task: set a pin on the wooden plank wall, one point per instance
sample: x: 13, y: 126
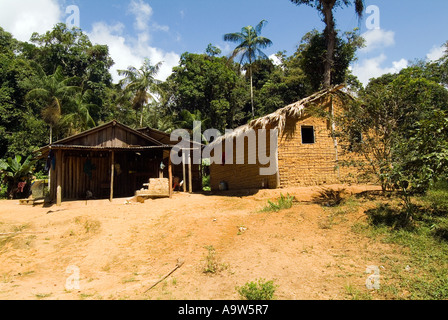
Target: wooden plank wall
x: 76, y: 182
x: 110, y: 137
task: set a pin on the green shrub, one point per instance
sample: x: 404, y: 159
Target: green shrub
x: 330, y: 197
x: 257, y: 290
x: 282, y: 203
x: 3, y: 191
x: 437, y: 198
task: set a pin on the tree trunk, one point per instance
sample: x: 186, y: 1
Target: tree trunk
x: 251, y: 91
x: 330, y: 37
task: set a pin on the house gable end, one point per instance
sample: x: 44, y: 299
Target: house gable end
x: 110, y: 135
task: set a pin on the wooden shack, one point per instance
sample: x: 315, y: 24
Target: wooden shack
x: 188, y: 172
x: 111, y: 160
x: 308, y: 152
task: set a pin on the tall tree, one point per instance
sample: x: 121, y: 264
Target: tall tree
x: 249, y: 48
x: 51, y: 92
x: 142, y: 84
x: 78, y: 117
x: 325, y: 8
x: 311, y: 57
x: 209, y: 84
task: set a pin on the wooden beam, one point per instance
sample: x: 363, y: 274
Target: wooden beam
x: 59, y: 178
x: 170, y: 176
x: 184, y: 171
x: 112, y: 166
x: 190, y: 178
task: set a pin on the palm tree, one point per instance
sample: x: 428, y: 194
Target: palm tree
x: 52, y: 91
x: 325, y: 8
x: 194, y: 123
x: 249, y: 48
x: 79, y: 117
x: 141, y: 83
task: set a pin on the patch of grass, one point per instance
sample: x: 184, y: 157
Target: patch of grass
x: 436, y: 199
x: 257, y: 290
x: 212, y: 264
x: 84, y: 296
x: 90, y: 226
x: 42, y: 295
x: 421, y: 272
x: 357, y: 294
x: 336, y: 214
x: 284, y: 202
x: 131, y: 279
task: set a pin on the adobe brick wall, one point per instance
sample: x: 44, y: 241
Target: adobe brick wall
x: 242, y: 176
x: 306, y: 164
x: 298, y: 164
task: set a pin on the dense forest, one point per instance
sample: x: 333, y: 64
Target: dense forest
x: 59, y: 84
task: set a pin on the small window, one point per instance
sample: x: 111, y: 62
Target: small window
x: 308, y: 135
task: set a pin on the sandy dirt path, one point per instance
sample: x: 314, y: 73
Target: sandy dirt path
x: 121, y: 249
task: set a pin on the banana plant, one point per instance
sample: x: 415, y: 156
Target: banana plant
x: 14, y: 171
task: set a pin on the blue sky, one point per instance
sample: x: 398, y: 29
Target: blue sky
x: 163, y: 29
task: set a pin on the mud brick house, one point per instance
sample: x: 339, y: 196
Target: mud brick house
x: 109, y: 161
x: 308, y: 152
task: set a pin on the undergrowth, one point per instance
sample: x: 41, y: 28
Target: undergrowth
x: 421, y: 272
x: 257, y: 290
x: 284, y: 202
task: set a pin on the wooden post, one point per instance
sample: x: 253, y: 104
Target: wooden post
x: 335, y: 139
x: 170, y: 176
x: 63, y: 170
x: 112, y: 176
x: 59, y: 178
x: 190, y: 178
x: 184, y: 171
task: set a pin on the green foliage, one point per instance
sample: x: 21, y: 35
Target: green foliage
x: 312, y: 53
x: 284, y: 202
x: 13, y: 171
x: 258, y: 290
x: 140, y: 85
x: 212, y: 265
x: 399, y: 125
x: 437, y: 198
x: 209, y: 85
x: 326, y: 10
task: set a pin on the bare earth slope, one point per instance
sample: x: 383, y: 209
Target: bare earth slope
x: 121, y: 249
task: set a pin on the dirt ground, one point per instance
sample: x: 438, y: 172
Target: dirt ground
x: 121, y: 249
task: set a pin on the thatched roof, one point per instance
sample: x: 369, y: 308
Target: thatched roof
x: 278, y: 118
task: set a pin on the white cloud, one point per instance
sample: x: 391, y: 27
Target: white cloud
x: 373, y: 68
x: 22, y: 18
x: 378, y: 38
x: 131, y: 51
x: 275, y: 60
x: 142, y: 12
x: 436, y: 53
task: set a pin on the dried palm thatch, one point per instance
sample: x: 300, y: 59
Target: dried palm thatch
x: 278, y: 118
